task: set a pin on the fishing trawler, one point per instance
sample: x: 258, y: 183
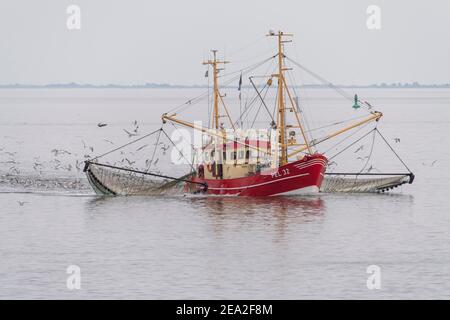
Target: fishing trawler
x: 233, y: 160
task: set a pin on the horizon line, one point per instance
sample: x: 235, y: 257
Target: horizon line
x: 75, y: 85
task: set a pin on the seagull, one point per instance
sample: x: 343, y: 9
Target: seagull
x: 78, y: 165
x: 130, y: 162
x: 101, y: 124
x: 21, y: 203
x: 87, y: 147
x: 37, y: 166
x: 9, y: 162
x: 431, y: 165
x: 130, y: 134
x: 156, y: 161
x: 11, y: 153
x: 397, y: 140
x: 140, y: 148
x: 56, y: 152
x: 108, y: 141
x: 14, y: 170
x: 359, y: 149
x: 368, y: 105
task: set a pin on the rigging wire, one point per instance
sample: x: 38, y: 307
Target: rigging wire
x: 250, y: 105
x: 335, y: 123
x: 328, y: 83
x: 374, y: 131
x: 180, y: 108
x: 154, y: 150
x: 181, y: 153
x: 301, y: 111
x: 345, y: 139
x: 127, y: 144
x: 398, y: 157
x: 371, y: 150
x: 259, y: 108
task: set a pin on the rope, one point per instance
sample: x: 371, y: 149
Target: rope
x: 154, y: 150
x: 335, y: 124
x: 259, y: 108
x: 194, y: 100
x: 371, y: 150
x: 353, y: 143
x: 250, y: 105
x: 181, y: 153
x: 125, y: 145
x: 328, y: 83
x: 392, y: 149
x: 151, y: 161
x: 262, y: 100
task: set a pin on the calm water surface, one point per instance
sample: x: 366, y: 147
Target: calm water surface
x: 214, y: 247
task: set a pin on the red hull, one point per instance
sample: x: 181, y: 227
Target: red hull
x: 302, y: 176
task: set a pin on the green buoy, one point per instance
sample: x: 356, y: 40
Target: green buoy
x: 356, y: 104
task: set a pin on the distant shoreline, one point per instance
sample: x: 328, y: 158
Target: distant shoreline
x: 414, y: 85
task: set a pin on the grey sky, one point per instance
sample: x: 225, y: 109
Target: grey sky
x: 138, y: 41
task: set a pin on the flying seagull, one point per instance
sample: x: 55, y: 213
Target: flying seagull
x: 56, y: 152
x: 359, y: 149
x: 140, y: 148
x: 130, y: 134
x: 108, y: 141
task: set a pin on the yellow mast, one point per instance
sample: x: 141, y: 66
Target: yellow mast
x: 281, y: 115
x: 214, y: 63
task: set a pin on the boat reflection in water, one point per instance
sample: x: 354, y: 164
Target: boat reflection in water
x: 217, y: 211
x: 269, y: 213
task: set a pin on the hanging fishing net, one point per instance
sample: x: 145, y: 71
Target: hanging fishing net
x: 149, y: 165
x: 376, y: 171
x: 358, y: 183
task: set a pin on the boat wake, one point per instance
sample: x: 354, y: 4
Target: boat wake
x: 41, y: 184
